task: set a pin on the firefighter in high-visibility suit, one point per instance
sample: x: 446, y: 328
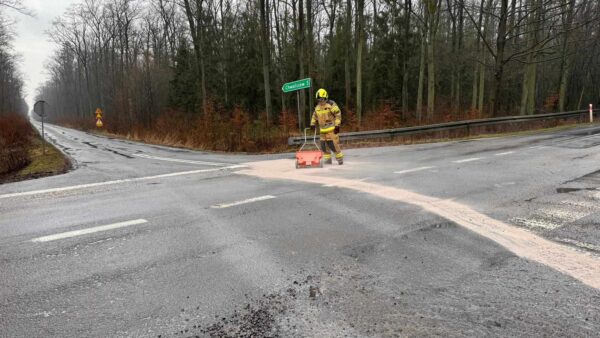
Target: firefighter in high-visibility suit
x: 329, y: 117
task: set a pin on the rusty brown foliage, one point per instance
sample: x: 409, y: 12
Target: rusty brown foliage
x: 551, y: 103
x: 15, y: 140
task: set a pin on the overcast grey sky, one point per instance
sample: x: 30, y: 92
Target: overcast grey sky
x: 32, y: 42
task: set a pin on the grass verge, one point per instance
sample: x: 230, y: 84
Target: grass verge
x: 52, y: 163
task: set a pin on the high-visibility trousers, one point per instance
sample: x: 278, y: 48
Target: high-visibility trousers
x: 330, y: 142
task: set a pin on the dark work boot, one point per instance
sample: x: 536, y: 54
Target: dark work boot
x: 328, y: 161
x: 340, y: 161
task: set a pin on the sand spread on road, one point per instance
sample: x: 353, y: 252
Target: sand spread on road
x: 580, y: 265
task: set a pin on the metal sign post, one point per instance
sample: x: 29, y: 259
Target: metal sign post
x: 39, y: 108
x: 296, y: 86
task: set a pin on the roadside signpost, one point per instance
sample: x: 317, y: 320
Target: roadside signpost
x: 296, y: 86
x: 40, y: 109
x: 99, y: 123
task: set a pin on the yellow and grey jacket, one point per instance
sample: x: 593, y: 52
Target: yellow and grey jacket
x: 328, y: 116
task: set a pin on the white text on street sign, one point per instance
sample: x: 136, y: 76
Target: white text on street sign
x: 296, y: 85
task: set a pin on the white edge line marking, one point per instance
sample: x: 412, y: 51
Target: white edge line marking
x: 468, y: 160
x: 75, y: 233
x: 91, y: 185
x: 412, y: 170
x: 505, y: 153
x: 179, y: 160
x: 250, y: 200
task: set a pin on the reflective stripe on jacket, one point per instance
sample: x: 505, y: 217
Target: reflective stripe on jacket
x: 328, y: 116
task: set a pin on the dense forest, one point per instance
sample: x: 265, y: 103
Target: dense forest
x: 11, y: 82
x: 220, y: 64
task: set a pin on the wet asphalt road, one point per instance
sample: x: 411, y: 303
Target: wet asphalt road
x: 212, y: 252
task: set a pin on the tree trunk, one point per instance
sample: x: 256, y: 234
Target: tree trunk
x: 433, y: 19
x: 311, y: 48
x: 454, y: 54
x: 360, y: 4
x: 477, y: 67
x: 300, y: 33
x: 499, y: 62
x: 265, y: 59
x: 460, y: 70
x: 347, y: 81
x: 281, y: 68
x: 530, y: 75
x: 421, y: 78
x: 407, y: 14
x: 565, y: 58
x: 195, y: 22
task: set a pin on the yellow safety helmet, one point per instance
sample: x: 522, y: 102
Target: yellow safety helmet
x: 322, y: 94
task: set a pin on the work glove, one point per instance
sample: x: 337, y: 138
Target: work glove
x: 336, y: 130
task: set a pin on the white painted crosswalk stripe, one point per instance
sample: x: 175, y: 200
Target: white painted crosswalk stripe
x: 87, y: 231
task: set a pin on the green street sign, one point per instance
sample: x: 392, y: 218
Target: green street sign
x: 296, y: 85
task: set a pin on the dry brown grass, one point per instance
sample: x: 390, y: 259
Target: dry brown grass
x: 21, y: 155
x: 15, y: 141
x: 237, y: 131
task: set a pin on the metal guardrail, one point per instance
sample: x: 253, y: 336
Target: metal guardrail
x: 390, y: 133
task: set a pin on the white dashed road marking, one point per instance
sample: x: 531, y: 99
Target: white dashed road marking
x: 500, y: 185
x: 250, y: 200
x: 216, y: 164
x: 468, y: 160
x: 505, y: 153
x: 88, y: 231
x: 92, y: 185
x: 412, y: 170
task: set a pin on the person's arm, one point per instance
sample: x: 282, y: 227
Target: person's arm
x: 313, y: 120
x: 337, y: 113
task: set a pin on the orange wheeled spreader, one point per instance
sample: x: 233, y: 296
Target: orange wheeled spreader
x: 309, y: 158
